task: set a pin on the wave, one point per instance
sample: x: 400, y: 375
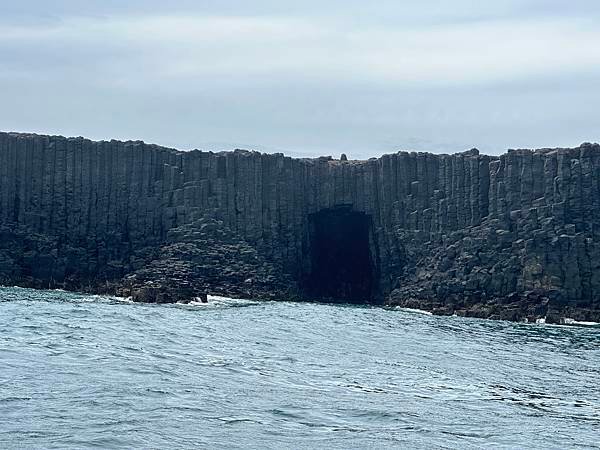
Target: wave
x: 220, y: 302
x: 413, y: 310
x: 569, y: 321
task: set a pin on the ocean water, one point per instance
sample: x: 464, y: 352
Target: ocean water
x: 82, y: 371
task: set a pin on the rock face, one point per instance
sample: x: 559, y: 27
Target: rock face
x: 510, y: 237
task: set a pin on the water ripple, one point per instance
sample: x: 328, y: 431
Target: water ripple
x: 82, y: 371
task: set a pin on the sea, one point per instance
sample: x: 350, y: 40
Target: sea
x: 81, y: 371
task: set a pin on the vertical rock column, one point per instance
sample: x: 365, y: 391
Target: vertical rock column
x: 4, y: 177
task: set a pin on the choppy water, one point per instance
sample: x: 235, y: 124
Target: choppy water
x: 80, y: 371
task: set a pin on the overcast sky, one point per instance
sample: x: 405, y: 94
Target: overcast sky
x: 305, y: 77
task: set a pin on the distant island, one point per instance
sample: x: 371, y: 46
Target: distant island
x: 503, y: 237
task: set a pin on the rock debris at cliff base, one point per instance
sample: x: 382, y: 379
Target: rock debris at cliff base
x: 510, y: 237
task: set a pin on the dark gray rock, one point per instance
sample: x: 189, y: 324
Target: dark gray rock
x: 510, y: 237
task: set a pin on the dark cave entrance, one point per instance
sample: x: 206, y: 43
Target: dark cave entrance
x: 341, y: 256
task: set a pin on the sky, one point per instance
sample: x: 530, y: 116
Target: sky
x: 305, y: 78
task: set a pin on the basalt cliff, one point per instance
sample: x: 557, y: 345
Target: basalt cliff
x: 510, y: 237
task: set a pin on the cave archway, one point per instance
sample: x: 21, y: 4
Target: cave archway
x: 342, y: 258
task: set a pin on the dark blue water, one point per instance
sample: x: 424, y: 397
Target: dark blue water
x: 79, y: 371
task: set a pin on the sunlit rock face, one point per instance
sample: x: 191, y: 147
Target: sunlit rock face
x: 513, y: 236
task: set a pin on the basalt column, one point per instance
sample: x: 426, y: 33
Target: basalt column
x: 513, y: 236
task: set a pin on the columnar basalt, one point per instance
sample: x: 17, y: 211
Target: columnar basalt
x: 512, y: 237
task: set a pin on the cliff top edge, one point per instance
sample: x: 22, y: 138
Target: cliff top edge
x: 593, y: 148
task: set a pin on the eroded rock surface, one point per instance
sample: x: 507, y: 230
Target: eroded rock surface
x: 205, y: 256
x: 513, y: 237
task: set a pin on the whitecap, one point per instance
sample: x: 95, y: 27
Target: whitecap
x: 414, y: 310
x: 569, y: 321
x: 218, y: 298
x: 104, y: 298
x: 220, y: 301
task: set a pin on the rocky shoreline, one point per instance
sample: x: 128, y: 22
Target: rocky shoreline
x: 534, y: 307
x: 531, y: 307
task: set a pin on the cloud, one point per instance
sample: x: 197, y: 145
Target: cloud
x: 312, y: 77
x: 186, y: 48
